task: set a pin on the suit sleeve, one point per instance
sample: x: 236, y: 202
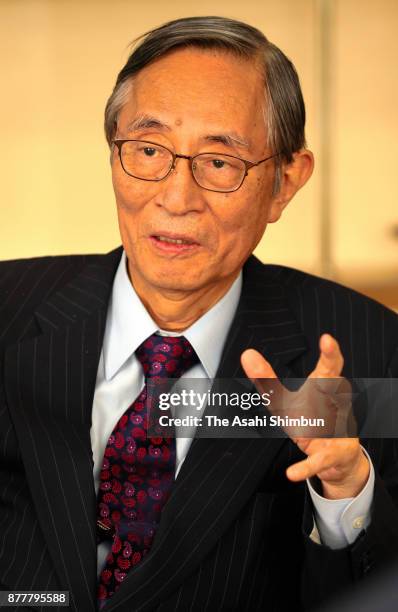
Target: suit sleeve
x: 327, y: 571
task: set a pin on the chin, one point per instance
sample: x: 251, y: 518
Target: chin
x: 175, y: 281
x: 174, y: 275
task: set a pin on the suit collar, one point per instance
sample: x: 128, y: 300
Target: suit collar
x: 263, y: 318
x: 87, y: 293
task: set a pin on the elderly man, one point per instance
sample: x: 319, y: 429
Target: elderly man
x: 206, y: 131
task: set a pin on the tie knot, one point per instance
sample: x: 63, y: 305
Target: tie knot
x: 166, y: 356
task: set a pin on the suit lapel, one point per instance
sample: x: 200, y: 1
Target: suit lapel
x: 218, y: 475
x: 50, y: 382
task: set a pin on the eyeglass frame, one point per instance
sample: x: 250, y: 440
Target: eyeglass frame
x: 248, y: 164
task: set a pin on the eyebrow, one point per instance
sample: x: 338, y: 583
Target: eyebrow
x: 228, y: 139
x: 143, y: 122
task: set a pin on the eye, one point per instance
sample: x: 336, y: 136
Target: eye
x: 149, y: 151
x: 218, y: 163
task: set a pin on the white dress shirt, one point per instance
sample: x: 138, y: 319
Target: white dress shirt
x: 120, y: 379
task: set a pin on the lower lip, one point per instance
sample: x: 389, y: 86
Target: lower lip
x: 172, y: 247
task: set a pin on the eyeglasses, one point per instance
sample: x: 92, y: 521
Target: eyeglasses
x: 149, y: 161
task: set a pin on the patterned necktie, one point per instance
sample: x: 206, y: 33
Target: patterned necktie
x: 138, y: 471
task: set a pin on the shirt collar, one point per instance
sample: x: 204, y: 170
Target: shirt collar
x: 128, y: 324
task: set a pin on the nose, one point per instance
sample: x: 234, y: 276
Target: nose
x: 179, y: 193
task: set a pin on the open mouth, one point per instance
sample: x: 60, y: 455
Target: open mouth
x: 174, y: 244
x: 174, y: 240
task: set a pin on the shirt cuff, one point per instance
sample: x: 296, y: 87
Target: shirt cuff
x: 338, y: 522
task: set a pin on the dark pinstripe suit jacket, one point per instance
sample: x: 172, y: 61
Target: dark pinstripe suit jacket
x: 234, y: 534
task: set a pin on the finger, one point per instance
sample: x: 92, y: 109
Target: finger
x: 303, y: 443
x: 256, y: 368
x: 255, y: 365
x: 309, y: 467
x: 330, y: 362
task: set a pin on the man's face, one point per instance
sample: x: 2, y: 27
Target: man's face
x: 194, y: 101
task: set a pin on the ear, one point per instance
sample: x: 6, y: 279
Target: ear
x: 293, y: 177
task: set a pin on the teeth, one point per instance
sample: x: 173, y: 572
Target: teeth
x: 172, y: 240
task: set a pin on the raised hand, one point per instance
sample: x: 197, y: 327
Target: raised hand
x: 339, y: 463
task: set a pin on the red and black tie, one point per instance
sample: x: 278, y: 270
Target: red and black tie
x: 138, y: 471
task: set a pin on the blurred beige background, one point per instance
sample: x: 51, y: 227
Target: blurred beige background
x: 60, y: 59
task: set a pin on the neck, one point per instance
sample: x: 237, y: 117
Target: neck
x: 177, y: 310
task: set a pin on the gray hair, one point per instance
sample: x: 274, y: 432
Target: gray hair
x: 284, y: 105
